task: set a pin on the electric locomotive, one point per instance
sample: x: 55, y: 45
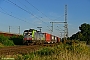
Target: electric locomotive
x: 33, y: 36
x: 28, y: 34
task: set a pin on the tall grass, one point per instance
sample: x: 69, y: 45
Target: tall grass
x: 1, y: 45
x: 59, y: 52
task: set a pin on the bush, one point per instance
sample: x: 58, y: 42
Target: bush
x: 5, y: 41
x: 45, y: 51
x: 88, y: 42
x: 18, y: 40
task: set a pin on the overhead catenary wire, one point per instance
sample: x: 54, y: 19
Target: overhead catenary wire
x: 4, y: 12
x: 26, y: 11
x: 28, y: 8
x: 13, y: 15
x: 34, y: 7
x: 40, y: 11
x: 37, y: 9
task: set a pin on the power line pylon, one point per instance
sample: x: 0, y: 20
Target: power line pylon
x: 65, y: 22
x: 19, y: 29
x: 9, y: 28
x: 55, y: 22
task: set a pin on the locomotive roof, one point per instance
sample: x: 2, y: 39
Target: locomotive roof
x: 30, y: 30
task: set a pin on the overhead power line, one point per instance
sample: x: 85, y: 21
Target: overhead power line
x: 13, y: 16
x: 25, y: 10
x: 37, y: 9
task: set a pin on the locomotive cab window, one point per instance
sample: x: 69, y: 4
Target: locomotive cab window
x: 30, y: 33
x: 25, y: 34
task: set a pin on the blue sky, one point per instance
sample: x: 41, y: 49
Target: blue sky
x: 17, y: 13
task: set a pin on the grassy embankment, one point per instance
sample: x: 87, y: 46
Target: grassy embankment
x: 10, y: 41
x: 76, y: 51
x: 4, y: 41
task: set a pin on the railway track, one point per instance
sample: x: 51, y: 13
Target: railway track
x: 18, y: 50
x: 23, y: 49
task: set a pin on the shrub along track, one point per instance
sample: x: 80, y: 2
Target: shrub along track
x: 22, y: 49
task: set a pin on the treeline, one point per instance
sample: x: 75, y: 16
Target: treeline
x: 11, y: 41
x: 83, y: 34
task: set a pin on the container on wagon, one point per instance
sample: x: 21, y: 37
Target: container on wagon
x: 55, y: 38
x: 52, y: 39
x: 47, y: 37
x: 58, y: 39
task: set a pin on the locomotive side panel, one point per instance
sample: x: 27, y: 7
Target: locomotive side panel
x: 39, y: 38
x: 34, y: 34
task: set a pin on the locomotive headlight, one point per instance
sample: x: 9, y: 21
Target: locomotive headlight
x: 28, y: 34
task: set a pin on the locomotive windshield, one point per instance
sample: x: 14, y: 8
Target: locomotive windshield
x: 27, y: 33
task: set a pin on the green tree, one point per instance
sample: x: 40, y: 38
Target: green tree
x: 85, y: 30
x: 83, y: 34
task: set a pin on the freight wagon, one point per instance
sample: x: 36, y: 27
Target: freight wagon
x: 8, y: 34
x: 33, y: 36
